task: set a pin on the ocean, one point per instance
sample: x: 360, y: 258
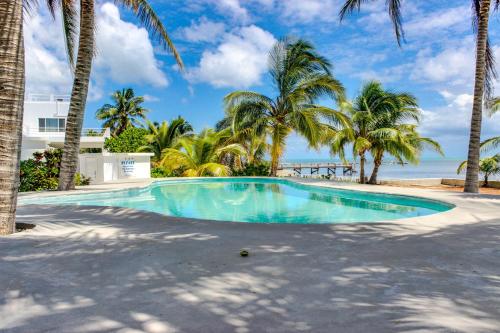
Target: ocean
x: 432, y: 168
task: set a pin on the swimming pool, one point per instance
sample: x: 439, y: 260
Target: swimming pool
x: 257, y: 200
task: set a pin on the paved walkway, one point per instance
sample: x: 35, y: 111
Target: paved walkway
x: 98, y: 269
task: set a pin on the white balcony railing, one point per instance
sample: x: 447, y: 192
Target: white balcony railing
x: 48, y: 98
x: 56, y: 132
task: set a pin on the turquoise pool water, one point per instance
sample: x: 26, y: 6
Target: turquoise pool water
x: 257, y: 200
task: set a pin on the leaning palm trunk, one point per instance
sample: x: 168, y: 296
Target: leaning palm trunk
x: 274, y: 164
x: 376, y: 165
x: 11, y: 108
x: 362, y: 161
x: 471, y: 178
x: 74, y: 122
x: 276, y: 148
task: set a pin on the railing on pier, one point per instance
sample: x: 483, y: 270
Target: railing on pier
x: 330, y: 168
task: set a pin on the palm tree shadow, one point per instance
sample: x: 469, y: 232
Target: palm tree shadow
x: 109, y: 269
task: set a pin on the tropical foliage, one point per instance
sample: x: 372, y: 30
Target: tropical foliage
x: 253, y: 169
x: 488, y: 166
x: 381, y: 122
x: 125, y: 112
x: 129, y: 141
x: 201, y: 155
x: 164, y: 135
x: 491, y: 143
x: 300, y: 76
x: 484, y: 76
x: 42, y: 171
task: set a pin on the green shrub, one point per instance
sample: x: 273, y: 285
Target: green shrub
x: 128, y: 141
x: 34, y: 176
x: 159, y: 172
x: 42, y: 172
x: 261, y: 169
x: 81, y: 180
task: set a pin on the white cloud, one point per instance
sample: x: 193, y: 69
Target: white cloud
x: 203, y: 31
x: 125, y: 52
x: 310, y: 11
x: 151, y: 98
x: 239, y: 61
x: 451, y: 68
x: 125, y: 55
x: 231, y: 8
x: 460, y: 101
x: 454, y: 64
x: 47, y: 69
x: 456, y: 17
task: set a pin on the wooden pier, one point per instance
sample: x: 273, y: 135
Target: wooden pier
x: 330, y: 168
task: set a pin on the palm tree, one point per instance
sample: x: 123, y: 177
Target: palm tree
x: 165, y: 135
x: 11, y: 108
x: 402, y: 142
x: 255, y: 149
x: 396, y: 133
x: 201, y: 155
x: 124, y: 113
x: 300, y: 76
x: 488, y: 166
x: 485, y: 72
x: 143, y: 10
x: 366, y: 115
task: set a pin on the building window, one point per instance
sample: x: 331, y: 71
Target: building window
x: 51, y: 124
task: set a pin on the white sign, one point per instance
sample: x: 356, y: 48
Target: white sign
x: 128, y: 166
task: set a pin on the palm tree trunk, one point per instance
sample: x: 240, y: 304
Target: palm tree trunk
x: 376, y: 165
x: 485, y: 180
x: 274, y: 164
x: 472, y: 175
x: 276, y: 150
x: 74, y: 122
x: 362, y: 161
x: 11, y: 108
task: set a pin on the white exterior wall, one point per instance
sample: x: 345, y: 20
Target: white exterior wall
x: 33, y: 140
x: 50, y: 106
x: 46, y: 109
x: 108, y: 167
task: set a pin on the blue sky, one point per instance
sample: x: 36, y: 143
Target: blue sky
x: 224, y: 45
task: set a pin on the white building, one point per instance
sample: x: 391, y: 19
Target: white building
x: 44, y: 125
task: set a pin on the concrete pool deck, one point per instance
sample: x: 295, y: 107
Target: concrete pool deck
x: 108, y: 269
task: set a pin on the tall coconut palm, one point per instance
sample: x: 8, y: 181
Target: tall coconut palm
x: 143, y: 10
x: 11, y: 108
x: 123, y: 113
x: 484, y: 72
x: 165, y: 135
x: 201, y: 155
x: 300, y: 76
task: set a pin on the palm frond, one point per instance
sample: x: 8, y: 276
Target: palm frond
x: 153, y: 24
x: 393, y: 9
x: 490, y: 144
